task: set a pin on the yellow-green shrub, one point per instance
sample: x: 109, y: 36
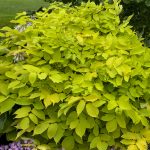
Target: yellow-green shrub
x: 84, y: 83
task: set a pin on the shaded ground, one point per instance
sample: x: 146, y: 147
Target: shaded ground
x: 9, y: 8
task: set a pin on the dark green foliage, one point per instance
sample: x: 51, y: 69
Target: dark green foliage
x: 145, y: 2
x: 140, y: 20
x: 84, y: 82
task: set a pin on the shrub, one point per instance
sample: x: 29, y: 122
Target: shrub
x: 138, y: 8
x: 84, y: 82
x: 74, y: 2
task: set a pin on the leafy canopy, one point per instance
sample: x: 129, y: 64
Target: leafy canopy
x: 84, y: 82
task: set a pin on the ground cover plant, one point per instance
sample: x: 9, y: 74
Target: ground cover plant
x: 77, y: 78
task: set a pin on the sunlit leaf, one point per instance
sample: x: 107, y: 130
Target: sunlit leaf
x: 40, y: 128
x: 52, y: 129
x: 22, y: 112
x: 24, y: 124
x: 6, y: 105
x: 33, y: 118
x: 92, y: 110
x: 39, y: 113
x: 80, y: 107
x: 111, y: 125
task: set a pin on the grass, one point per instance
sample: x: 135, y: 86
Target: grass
x: 9, y: 8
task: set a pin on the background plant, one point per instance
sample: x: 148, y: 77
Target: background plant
x: 140, y: 20
x: 84, y: 83
x: 8, y: 9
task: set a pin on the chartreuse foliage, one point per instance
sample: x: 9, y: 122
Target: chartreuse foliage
x: 84, y: 83
x: 74, y: 2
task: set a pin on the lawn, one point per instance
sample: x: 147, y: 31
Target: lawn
x: 9, y: 8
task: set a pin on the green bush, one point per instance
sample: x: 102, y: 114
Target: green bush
x: 138, y: 8
x: 74, y: 2
x: 84, y: 83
